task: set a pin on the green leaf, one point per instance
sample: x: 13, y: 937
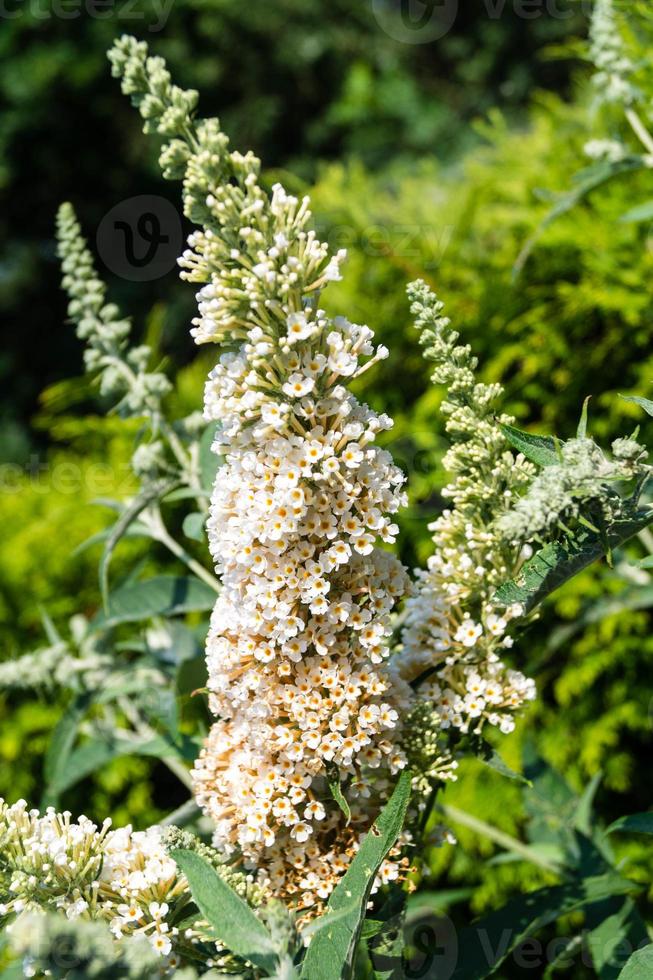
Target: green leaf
x: 333, y: 780
x: 209, y: 461
x: 485, y: 944
x: 191, y: 676
x: 330, y: 954
x: 162, y: 595
x: 422, y: 903
x: 160, y: 706
x: 558, y: 561
x: 326, y: 921
x: 581, y: 431
x: 644, y: 403
x: 51, y: 630
x: 232, y: 920
x: 494, y: 761
x: 636, y: 823
x: 524, y: 852
x: 583, y: 815
x: 386, y: 947
x: 97, y: 753
x: 135, y: 530
x: 643, y: 212
x: 570, y: 946
x: 128, y: 515
x: 639, y: 966
x: 541, y: 450
x: 619, y: 929
x: 585, y: 181
x: 60, y: 747
x: 370, y: 927
x: 185, y: 493
x: 193, y: 526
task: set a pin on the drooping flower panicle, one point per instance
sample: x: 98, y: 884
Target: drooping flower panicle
x: 305, y: 499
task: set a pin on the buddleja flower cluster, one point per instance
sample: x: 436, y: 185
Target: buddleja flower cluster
x: 79, y: 663
x: 121, y: 368
x: 616, y: 87
x: 580, y: 485
x: 454, y: 636
x: 51, y: 863
x: 614, y: 67
x: 298, y: 637
x: 122, y: 371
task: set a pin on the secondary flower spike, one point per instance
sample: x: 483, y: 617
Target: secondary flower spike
x: 454, y: 636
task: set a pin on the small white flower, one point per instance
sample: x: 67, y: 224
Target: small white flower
x: 468, y: 633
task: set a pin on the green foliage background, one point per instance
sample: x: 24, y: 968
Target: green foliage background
x: 424, y: 160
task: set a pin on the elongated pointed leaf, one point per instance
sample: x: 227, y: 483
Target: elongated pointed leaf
x: 619, y: 929
x: 559, y: 561
x: 581, y: 431
x: 152, y: 492
x: 232, y: 920
x: 94, y: 754
x: 570, y: 947
x: 51, y: 630
x: 639, y: 966
x: 60, y: 747
x: 583, y: 815
x: 644, y: 403
x: 386, y: 948
x: 485, y: 944
x: 333, y: 779
x: 636, y: 823
x: 135, y: 530
x: 541, y: 450
x: 585, y: 181
x: 492, y: 759
x: 162, y: 595
x: 330, y: 954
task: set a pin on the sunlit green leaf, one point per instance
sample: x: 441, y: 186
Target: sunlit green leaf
x: 541, y: 450
x: 644, y: 403
x: 330, y: 954
x: 558, y: 561
x: 232, y: 920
